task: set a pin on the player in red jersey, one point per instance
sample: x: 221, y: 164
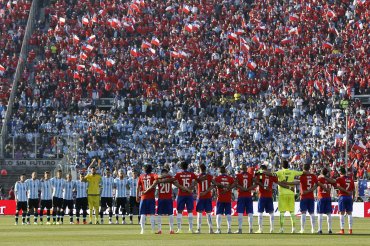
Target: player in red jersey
x: 324, y: 199
x: 186, y: 180
x: 224, y: 184
x: 204, y: 198
x: 345, y: 186
x: 265, y: 202
x: 245, y: 183
x: 147, y: 202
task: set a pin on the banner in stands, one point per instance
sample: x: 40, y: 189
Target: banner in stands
x: 28, y: 163
x: 360, y: 209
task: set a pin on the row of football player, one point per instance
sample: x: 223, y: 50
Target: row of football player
x: 244, y: 182
x: 56, y: 195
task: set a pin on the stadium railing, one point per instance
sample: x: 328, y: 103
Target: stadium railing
x: 32, y: 19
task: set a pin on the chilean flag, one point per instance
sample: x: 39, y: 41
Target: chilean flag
x: 80, y: 67
x: 240, y: 31
x: 2, y: 69
x: 174, y: 54
x: 152, y: 51
x: 83, y: 56
x: 155, y: 42
x: 91, y: 39
x: 62, y: 21
x: 251, y: 65
x: 189, y: 27
x: 129, y: 27
x: 85, y: 21
x: 76, y: 39
x: 279, y: 50
x: 244, y: 47
x: 183, y: 54
x: 110, y: 62
x: 327, y: 45
x: 186, y: 9
x: 331, y: 14
x: 88, y: 48
x: 146, y: 45
x: 115, y: 23
x: 294, y: 17
x: 72, y: 59
x: 196, y: 27
x: 256, y: 39
x: 233, y: 36
x: 135, y: 7
x: 134, y: 52
x: 263, y: 27
x: 286, y: 41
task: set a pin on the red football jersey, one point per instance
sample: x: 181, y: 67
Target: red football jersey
x: 244, y: 179
x: 307, y: 181
x: 185, y: 179
x: 204, y: 185
x: 145, y: 181
x: 267, y: 182
x: 222, y: 195
x: 347, y: 183
x: 321, y: 193
x: 165, y: 190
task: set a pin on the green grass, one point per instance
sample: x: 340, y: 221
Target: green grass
x: 129, y: 235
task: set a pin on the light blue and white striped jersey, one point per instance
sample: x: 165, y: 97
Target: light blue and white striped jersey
x: 133, y: 186
x: 81, y: 189
x: 20, y: 191
x: 46, y: 189
x: 68, y: 190
x: 120, y: 185
x: 57, y: 187
x: 107, y: 186
x: 33, y: 187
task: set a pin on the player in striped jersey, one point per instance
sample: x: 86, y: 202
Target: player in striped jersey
x: 80, y: 187
x: 20, y: 191
x: 68, y: 198
x: 106, y: 196
x: 133, y: 204
x: 33, y: 187
x: 121, y: 186
x: 46, y: 197
x: 57, y: 183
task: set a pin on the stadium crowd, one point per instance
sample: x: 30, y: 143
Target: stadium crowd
x: 206, y: 81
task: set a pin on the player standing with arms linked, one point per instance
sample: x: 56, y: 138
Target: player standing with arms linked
x: 186, y: 180
x: 324, y: 199
x: 345, y: 186
x: 106, y: 200
x: 244, y: 183
x: 20, y: 192
x: 147, y: 201
x: 204, y: 199
x: 33, y: 187
x: 286, y: 201
x: 132, y: 203
x: 58, y: 184
x: 225, y: 184
x: 46, y: 197
x: 121, y: 185
x: 81, y: 198
x: 68, y: 198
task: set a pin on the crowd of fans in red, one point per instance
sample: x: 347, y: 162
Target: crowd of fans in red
x: 196, y: 50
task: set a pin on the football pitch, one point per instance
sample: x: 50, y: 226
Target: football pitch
x: 129, y: 234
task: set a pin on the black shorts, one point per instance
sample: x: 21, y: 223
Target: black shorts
x: 57, y: 202
x: 67, y: 204
x: 81, y: 203
x: 22, y: 206
x: 33, y: 203
x: 121, y: 202
x: 132, y: 203
x: 106, y: 202
x: 48, y: 204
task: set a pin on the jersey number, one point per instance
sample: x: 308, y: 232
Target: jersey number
x: 266, y: 184
x: 146, y: 183
x: 185, y: 182
x: 204, y: 185
x: 165, y: 188
x: 245, y: 183
x: 309, y: 185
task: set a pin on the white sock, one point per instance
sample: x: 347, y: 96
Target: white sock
x: 341, y: 219
x: 240, y: 221
x: 209, y: 220
x: 350, y: 221
x: 199, y: 221
x: 329, y: 219
x: 272, y: 217
x: 312, y: 219
x: 179, y: 221
x: 228, y: 217
x: 159, y: 222
x: 260, y: 221
x: 250, y: 221
x: 171, y: 222
x: 190, y: 217
x: 319, y: 220
x: 142, y: 221
x: 218, y: 221
x: 152, y: 222
x: 303, y: 221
